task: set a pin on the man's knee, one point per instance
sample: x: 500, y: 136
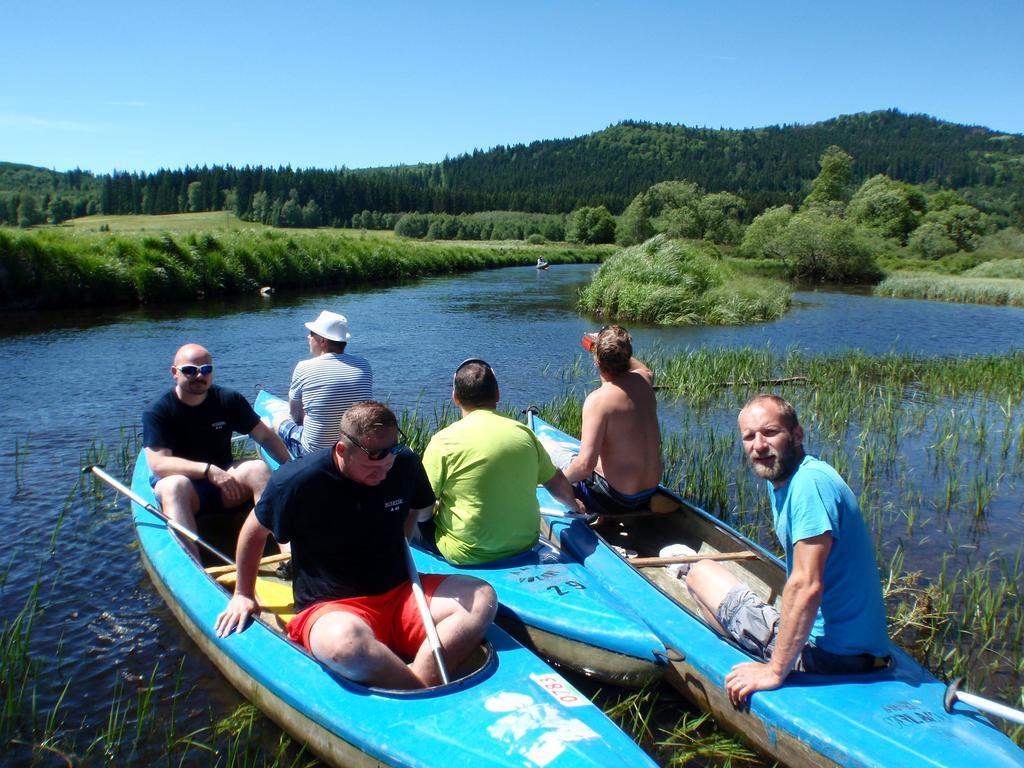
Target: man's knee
x: 709, y: 583
x: 176, y: 490
x: 342, y: 640
x: 697, y: 577
x: 252, y: 473
x: 475, y: 596
x: 485, y: 601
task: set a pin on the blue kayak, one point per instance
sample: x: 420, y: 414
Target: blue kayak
x: 552, y: 604
x: 884, y: 719
x: 503, y: 708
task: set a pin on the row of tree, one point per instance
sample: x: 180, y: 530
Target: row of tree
x: 766, y: 167
x: 27, y: 210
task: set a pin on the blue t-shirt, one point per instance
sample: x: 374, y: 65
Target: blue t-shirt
x: 816, y: 500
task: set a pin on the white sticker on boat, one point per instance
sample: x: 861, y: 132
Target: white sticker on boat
x: 534, y: 730
x: 562, y: 692
x: 507, y: 702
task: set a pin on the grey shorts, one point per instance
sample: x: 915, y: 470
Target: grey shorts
x: 754, y: 626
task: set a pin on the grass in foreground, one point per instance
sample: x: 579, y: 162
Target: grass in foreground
x: 675, y: 282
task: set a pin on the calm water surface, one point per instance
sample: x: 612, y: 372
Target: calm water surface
x: 73, y: 380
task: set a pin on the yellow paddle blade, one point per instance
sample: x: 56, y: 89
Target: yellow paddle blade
x: 275, y: 596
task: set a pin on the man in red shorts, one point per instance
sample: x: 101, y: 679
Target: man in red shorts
x: 346, y: 510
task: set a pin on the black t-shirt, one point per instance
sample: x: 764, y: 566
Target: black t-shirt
x: 346, y: 537
x: 198, y: 432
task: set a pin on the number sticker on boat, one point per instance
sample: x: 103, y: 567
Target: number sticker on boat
x: 560, y: 690
x: 903, y: 714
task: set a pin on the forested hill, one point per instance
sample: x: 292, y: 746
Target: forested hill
x: 765, y: 166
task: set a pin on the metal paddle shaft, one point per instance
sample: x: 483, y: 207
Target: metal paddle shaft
x: 428, y: 620
x: 178, y: 527
x: 953, y: 693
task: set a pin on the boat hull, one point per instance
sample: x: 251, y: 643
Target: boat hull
x: 892, y: 717
x: 512, y: 710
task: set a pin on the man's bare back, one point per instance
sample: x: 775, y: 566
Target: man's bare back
x: 621, y: 439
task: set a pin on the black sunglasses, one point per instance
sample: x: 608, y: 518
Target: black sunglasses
x: 377, y: 454
x: 193, y: 370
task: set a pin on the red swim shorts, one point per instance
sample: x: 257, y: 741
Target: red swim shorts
x: 393, y: 616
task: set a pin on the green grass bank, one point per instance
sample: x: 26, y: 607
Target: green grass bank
x: 963, y: 289
x: 64, y: 267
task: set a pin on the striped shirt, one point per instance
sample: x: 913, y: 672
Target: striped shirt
x: 328, y: 385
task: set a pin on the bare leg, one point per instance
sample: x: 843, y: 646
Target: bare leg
x: 346, y: 644
x: 179, y: 502
x: 709, y: 583
x: 463, y: 609
x: 254, y: 475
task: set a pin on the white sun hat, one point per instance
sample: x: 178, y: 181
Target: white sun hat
x: 331, y: 326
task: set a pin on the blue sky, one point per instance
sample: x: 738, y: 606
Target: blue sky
x: 144, y: 85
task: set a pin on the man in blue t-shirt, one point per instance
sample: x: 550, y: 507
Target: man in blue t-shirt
x: 832, y: 618
x: 187, y: 437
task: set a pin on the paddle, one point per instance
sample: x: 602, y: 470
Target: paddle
x: 190, y: 535
x: 953, y: 693
x: 642, y: 562
x: 572, y: 515
x: 425, y: 617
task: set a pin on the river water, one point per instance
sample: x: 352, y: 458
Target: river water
x: 75, y: 381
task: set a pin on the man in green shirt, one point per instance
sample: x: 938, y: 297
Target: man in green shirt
x: 484, y: 470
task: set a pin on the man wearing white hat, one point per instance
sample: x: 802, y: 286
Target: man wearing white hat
x: 324, y: 387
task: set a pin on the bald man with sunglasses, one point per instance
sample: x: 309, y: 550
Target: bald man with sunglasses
x: 345, y: 511
x: 187, y: 438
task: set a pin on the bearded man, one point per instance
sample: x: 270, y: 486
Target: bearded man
x: 832, y: 617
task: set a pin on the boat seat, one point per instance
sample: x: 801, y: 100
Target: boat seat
x: 273, y: 592
x: 661, y: 504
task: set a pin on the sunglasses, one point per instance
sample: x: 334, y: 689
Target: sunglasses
x: 191, y: 371
x: 378, y: 454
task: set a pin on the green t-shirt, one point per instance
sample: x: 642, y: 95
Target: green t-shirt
x: 485, y: 469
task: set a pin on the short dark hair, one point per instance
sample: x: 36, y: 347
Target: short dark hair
x: 330, y: 345
x: 787, y: 413
x: 613, y: 350
x: 475, y: 384
x: 365, y: 418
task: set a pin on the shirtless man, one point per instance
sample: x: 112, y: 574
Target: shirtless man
x: 187, y: 436
x: 618, y: 466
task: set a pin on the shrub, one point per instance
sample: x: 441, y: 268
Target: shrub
x: 823, y: 248
x: 680, y: 282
